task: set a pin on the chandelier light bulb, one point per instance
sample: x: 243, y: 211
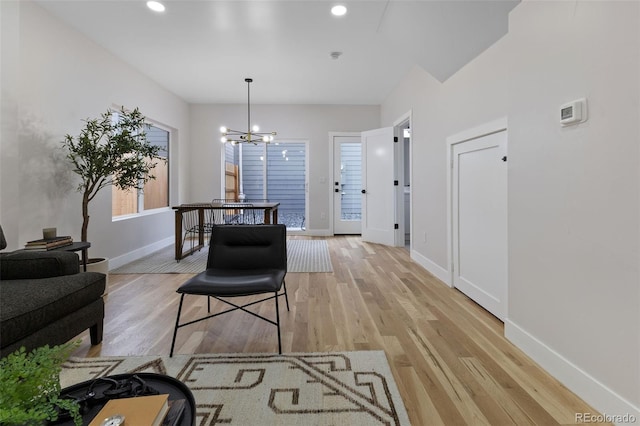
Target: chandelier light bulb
x: 223, y: 129
x: 255, y: 128
x: 155, y: 6
x: 223, y: 139
x: 339, y: 10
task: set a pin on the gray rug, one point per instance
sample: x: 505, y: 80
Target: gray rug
x: 302, y: 256
x: 312, y: 389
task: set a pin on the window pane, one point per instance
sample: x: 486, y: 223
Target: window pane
x: 156, y: 192
x: 276, y: 172
x: 286, y: 171
x: 253, y: 158
x: 123, y: 202
x: 350, y: 180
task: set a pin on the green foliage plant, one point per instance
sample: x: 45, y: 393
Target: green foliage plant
x: 30, y: 390
x: 111, y: 150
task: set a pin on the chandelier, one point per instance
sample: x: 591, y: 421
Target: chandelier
x: 253, y: 134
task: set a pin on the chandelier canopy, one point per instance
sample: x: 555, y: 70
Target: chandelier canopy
x: 253, y: 134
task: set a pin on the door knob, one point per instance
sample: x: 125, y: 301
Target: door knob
x: 336, y: 190
x: 364, y: 191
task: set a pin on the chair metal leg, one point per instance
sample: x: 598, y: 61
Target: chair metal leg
x: 208, y: 304
x: 286, y: 298
x: 278, y: 324
x: 175, y: 330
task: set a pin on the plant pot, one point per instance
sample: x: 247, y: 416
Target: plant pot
x: 100, y: 265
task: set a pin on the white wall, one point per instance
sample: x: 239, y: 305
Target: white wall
x: 302, y: 122
x: 55, y: 78
x: 475, y: 95
x: 573, y: 192
x: 573, y: 195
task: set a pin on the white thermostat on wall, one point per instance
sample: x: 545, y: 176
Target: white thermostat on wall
x: 573, y: 112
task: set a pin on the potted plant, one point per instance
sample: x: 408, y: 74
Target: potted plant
x: 30, y: 391
x: 111, y: 150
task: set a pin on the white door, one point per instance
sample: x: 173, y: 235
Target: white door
x: 479, y: 217
x: 378, y: 202
x: 347, y: 185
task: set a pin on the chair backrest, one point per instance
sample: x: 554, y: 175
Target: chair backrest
x: 190, y: 218
x: 248, y: 247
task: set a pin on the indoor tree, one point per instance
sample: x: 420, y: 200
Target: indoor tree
x: 111, y: 150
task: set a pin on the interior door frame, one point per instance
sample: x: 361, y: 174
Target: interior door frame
x: 398, y: 126
x: 332, y: 138
x: 486, y: 129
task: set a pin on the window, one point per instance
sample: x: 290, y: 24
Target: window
x: 155, y: 193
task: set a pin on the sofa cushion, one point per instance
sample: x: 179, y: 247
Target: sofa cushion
x: 29, y: 305
x: 25, y: 264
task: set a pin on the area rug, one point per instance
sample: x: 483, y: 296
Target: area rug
x: 342, y: 388
x: 302, y: 256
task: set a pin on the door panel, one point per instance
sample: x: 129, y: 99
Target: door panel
x: 479, y: 197
x: 347, y: 184
x: 378, y: 202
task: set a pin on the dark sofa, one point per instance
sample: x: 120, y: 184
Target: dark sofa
x: 46, y: 300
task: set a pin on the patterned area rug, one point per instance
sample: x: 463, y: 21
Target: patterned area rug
x: 302, y: 256
x: 342, y: 388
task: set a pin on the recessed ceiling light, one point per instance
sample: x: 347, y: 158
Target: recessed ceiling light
x: 339, y: 10
x: 156, y: 6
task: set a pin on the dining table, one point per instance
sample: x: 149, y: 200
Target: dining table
x: 270, y: 210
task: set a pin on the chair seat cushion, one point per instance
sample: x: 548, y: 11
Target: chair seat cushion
x: 234, y: 282
x: 30, y: 305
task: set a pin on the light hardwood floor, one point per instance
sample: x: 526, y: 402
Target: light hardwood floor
x: 448, y: 355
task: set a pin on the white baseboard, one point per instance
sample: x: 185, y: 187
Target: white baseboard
x: 595, y: 393
x: 117, y: 262
x: 436, y: 270
x: 317, y: 233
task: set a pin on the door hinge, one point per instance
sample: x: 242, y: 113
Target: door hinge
x: 396, y: 226
x: 395, y: 139
x: 395, y: 183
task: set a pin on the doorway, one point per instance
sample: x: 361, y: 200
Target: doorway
x: 403, y: 201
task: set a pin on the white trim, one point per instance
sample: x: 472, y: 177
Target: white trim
x: 478, y: 131
x: 143, y: 213
x: 317, y: 233
x: 592, y: 391
x: 433, y: 268
x: 121, y: 260
x: 403, y: 118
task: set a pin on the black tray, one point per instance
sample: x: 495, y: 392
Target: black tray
x: 163, y: 384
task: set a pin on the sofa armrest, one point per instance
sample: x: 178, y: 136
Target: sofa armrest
x: 24, y: 264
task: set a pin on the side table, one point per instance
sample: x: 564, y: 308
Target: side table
x: 160, y: 382
x: 81, y: 246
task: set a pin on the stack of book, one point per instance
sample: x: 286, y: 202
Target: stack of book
x: 155, y: 410
x: 48, y: 243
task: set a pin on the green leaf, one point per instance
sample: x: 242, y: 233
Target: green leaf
x: 30, y: 391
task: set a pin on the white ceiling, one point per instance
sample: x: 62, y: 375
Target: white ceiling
x: 203, y: 50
